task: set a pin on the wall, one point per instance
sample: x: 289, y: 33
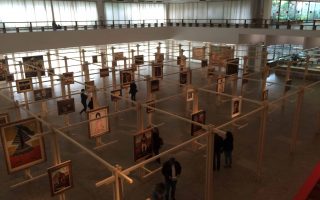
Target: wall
x: 16, y: 42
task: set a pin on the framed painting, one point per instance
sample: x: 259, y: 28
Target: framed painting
x: 182, y: 60
x: 24, y: 85
x: 67, y: 78
x: 4, y: 118
x: 42, y: 94
x: 152, y: 105
x: 138, y: 60
x: 232, y: 66
x: 199, y: 117
x: 159, y: 57
x: 65, y: 106
x: 31, y: 66
x: 236, y: 105
x: 190, y: 94
x: 50, y: 72
x: 23, y: 144
x: 104, y: 72
x: 118, y: 56
x: 155, y: 85
x: 158, y: 71
x: 142, y: 144
x: 221, y: 82
x: 98, y: 122
x: 184, y: 77
x: 10, y: 78
x: 94, y: 59
x: 3, y: 70
x: 60, y: 177
x: 89, y: 86
x: 198, y: 53
x: 210, y: 71
x: 115, y: 94
x: 126, y: 77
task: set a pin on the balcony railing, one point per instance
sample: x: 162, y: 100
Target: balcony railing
x: 40, y: 26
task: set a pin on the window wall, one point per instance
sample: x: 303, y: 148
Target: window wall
x: 136, y: 12
x: 40, y: 11
x: 295, y: 10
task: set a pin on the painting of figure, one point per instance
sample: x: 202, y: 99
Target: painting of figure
x: 142, y: 143
x: 98, y: 122
x: 23, y: 144
x: 60, y: 177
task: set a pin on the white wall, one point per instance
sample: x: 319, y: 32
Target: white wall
x: 16, y: 42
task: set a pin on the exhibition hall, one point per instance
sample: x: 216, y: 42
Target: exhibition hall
x: 158, y: 111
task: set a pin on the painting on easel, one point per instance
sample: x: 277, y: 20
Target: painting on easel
x: 31, y: 66
x: 104, y: 72
x: 23, y: 144
x: 236, y: 105
x: 60, y: 177
x: 115, y: 94
x: 65, y: 106
x: 142, y: 143
x: 138, y: 60
x: 199, y: 117
x: 98, y: 122
x: 126, y: 77
x: 67, y: 78
x: 24, y: 85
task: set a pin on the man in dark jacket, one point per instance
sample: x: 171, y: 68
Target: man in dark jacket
x: 83, y: 97
x: 227, y: 148
x: 133, y: 90
x: 171, y: 170
x: 218, y: 148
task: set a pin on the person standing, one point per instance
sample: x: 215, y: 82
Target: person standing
x: 227, y: 148
x: 90, y: 104
x: 218, y: 148
x: 84, y: 98
x: 157, y: 142
x: 171, y: 170
x: 133, y: 90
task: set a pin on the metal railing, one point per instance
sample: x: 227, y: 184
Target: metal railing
x: 41, y: 26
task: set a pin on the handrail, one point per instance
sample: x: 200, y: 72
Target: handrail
x: 36, y: 26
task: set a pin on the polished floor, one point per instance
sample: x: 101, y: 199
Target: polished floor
x: 282, y: 172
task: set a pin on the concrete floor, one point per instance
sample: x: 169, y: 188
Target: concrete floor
x: 282, y: 172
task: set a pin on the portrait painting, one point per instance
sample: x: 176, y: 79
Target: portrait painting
x: 138, y: 60
x: 184, y: 77
x: 42, y: 94
x: 198, y: 53
x: 98, y: 122
x: 104, y: 72
x: 10, y: 77
x: 67, y: 78
x: 89, y: 86
x: 151, y: 105
x: 94, y: 59
x: 65, y: 106
x: 115, y: 94
x: 199, y: 117
x: 24, y: 85
x: 142, y: 144
x: 236, y: 107
x: 126, y: 77
x: 190, y: 94
x: 118, y: 56
x: 60, y: 177
x: 232, y: 66
x: 155, y: 85
x: 158, y: 71
x: 23, y: 144
x: 4, y: 118
x: 159, y: 57
x: 182, y: 60
x: 221, y: 82
x: 31, y: 66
